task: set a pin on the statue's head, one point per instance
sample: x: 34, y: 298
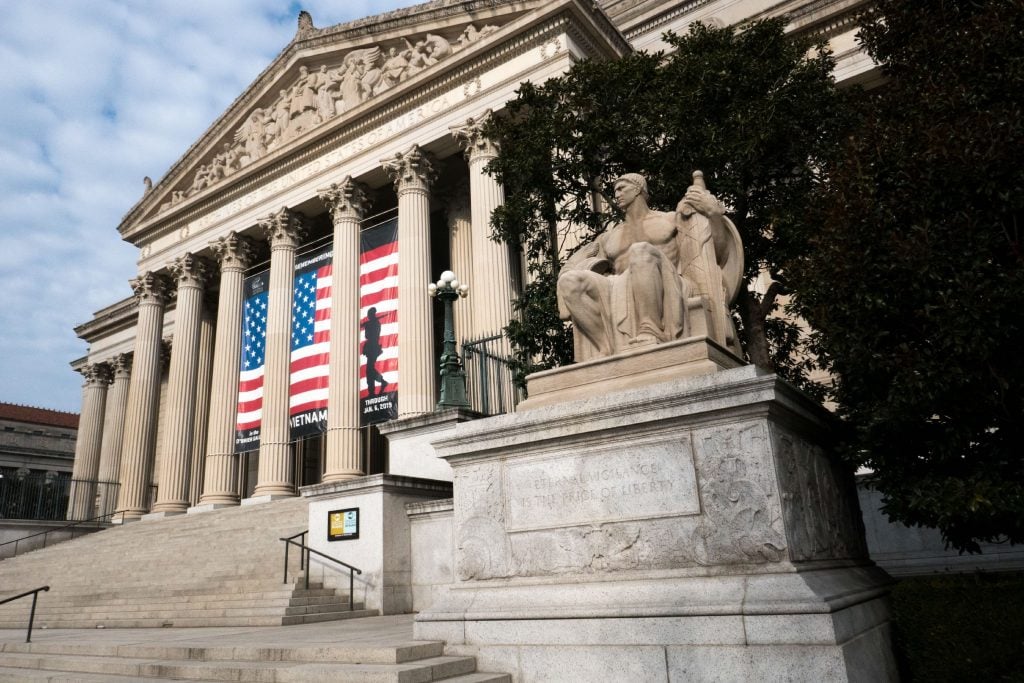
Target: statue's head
x: 628, y: 187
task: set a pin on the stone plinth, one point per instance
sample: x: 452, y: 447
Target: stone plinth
x: 696, y: 529
x: 383, y: 549
x: 410, y: 453
x: 630, y: 370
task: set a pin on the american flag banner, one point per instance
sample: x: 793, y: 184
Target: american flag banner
x: 378, y: 323
x: 250, y: 378
x: 311, y: 335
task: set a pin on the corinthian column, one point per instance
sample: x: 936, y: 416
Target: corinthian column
x: 347, y: 203
x: 220, y: 482
x: 460, y: 246
x: 413, y: 172
x: 285, y: 231
x: 492, y: 276
x: 143, y: 395
x: 204, y: 374
x: 191, y: 273
x: 90, y: 438
x: 113, y: 433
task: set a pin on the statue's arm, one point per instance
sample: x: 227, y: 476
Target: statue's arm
x: 589, y: 257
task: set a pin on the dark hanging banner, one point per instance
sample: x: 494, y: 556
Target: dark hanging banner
x: 378, y: 335
x: 311, y: 338
x: 250, y: 377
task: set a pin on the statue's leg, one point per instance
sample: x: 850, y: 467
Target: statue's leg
x: 647, y: 287
x: 584, y: 297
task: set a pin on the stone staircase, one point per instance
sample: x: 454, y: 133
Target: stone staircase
x: 224, y: 658
x: 220, y: 568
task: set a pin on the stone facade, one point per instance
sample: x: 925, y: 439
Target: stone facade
x: 379, y: 116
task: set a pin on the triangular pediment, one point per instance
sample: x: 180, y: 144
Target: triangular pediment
x: 321, y: 75
x: 324, y: 79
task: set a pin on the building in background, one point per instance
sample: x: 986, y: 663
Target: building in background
x: 312, y: 215
x: 37, y: 453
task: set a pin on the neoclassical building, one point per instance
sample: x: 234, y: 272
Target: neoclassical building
x: 372, y: 124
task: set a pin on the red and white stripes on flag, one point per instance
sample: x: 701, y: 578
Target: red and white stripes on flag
x: 310, y: 344
x: 250, y: 379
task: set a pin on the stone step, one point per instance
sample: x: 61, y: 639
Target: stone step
x: 434, y: 668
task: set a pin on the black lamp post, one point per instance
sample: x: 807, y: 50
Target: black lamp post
x: 453, y: 379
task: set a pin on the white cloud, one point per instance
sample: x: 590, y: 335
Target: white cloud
x: 95, y: 95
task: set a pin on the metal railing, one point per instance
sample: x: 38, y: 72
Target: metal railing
x: 489, y: 384
x: 27, y: 494
x: 304, y: 564
x: 32, y: 615
x: 79, y: 524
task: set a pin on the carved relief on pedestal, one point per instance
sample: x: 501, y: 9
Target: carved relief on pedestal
x: 818, y: 502
x: 482, y: 549
x: 317, y: 96
x: 741, y: 519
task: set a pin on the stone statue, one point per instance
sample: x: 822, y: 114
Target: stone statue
x: 655, y: 277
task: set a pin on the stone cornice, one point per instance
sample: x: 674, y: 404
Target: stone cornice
x: 530, y: 27
x: 108, y: 320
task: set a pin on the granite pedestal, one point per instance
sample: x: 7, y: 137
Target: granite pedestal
x: 694, y: 529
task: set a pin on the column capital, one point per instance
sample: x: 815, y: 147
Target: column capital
x: 122, y: 364
x: 234, y: 251
x: 470, y: 136
x: 190, y: 270
x: 411, y: 170
x: 284, y: 228
x: 97, y: 374
x: 151, y: 288
x: 346, y: 199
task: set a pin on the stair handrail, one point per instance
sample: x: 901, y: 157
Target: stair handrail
x: 302, y: 556
x: 307, y: 550
x: 75, y: 523
x: 32, y: 615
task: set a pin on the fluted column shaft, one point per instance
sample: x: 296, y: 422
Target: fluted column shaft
x: 460, y: 246
x: 220, y: 480
x: 204, y: 374
x: 347, y: 203
x: 285, y: 231
x: 492, y: 276
x: 143, y: 395
x: 90, y: 439
x: 191, y: 273
x: 413, y: 172
x: 113, y: 433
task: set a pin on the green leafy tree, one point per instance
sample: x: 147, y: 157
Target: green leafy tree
x: 754, y: 109
x: 914, y: 280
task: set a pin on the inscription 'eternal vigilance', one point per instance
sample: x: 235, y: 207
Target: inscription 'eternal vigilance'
x: 648, y: 480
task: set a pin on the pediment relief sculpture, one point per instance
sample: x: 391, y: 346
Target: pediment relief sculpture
x: 319, y: 95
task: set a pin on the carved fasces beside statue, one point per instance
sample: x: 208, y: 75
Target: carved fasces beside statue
x: 655, y: 277
x: 317, y: 96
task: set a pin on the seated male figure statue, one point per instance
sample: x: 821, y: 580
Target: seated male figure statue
x: 640, y: 282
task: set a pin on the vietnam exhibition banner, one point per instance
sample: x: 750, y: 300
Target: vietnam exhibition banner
x: 378, y: 323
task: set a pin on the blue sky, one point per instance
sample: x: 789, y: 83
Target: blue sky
x: 94, y: 95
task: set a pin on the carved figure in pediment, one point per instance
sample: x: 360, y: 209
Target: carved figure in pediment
x: 471, y: 34
x: 435, y: 48
x: 416, y: 58
x: 393, y: 72
x: 252, y: 136
x: 302, y: 109
x: 280, y: 118
x: 327, y: 93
